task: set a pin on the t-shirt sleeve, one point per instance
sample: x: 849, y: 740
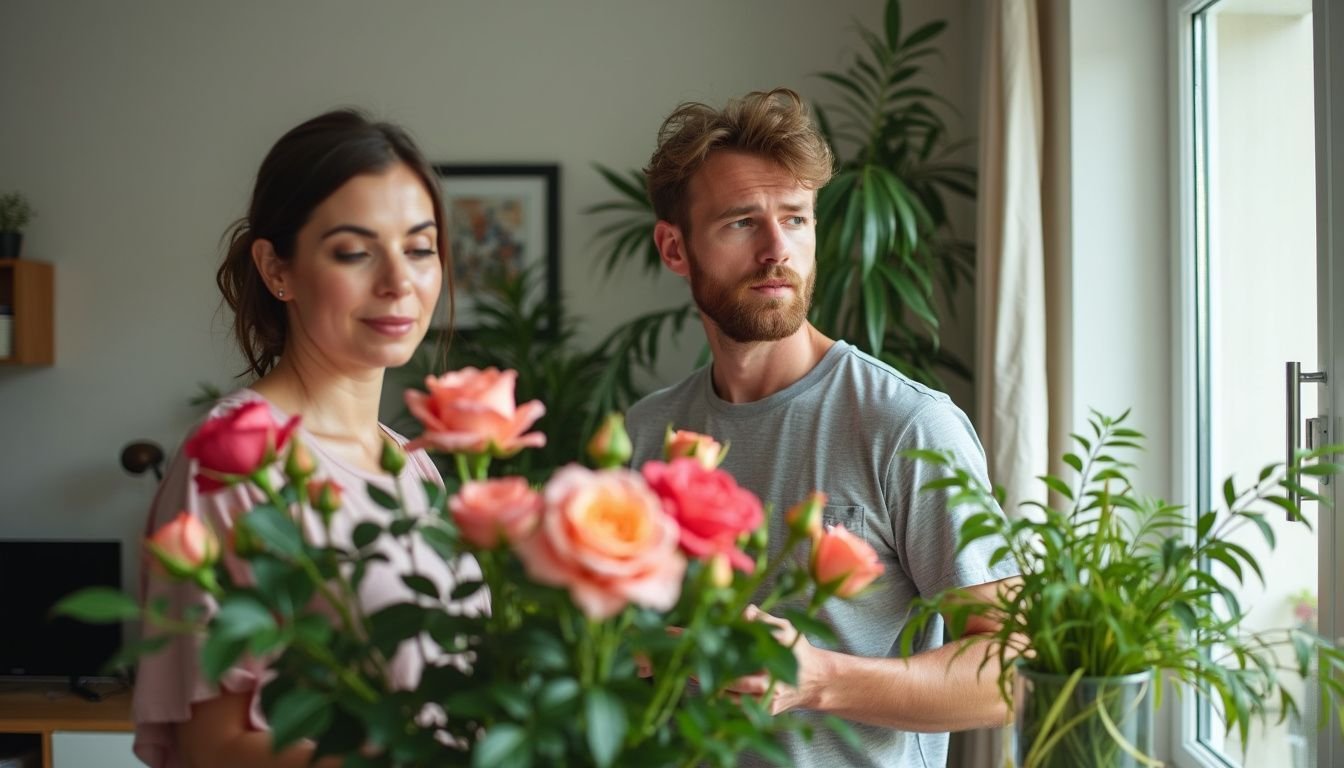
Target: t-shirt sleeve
x: 924, y: 526
x: 170, y: 680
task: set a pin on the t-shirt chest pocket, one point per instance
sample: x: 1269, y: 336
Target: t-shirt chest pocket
x: 851, y: 517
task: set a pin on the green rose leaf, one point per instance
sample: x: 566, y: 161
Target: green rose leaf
x: 241, y: 617
x: 365, y: 534
x: 421, y: 584
x: 503, y: 746
x: 382, y: 498
x: 97, y: 605
x: 275, y: 529
x: 300, y: 713
x: 606, y: 725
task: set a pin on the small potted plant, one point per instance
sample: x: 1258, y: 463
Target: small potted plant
x: 15, y: 213
x: 1116, y: 594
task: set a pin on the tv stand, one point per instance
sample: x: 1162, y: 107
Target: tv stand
x: 68, y: 730
x: 78, y: 687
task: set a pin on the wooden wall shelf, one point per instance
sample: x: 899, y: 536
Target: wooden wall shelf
x: 28, y: 287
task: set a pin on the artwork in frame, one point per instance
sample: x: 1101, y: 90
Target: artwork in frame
x: 501, y: 219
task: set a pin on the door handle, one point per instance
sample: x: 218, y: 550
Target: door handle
x: 1293, y: 417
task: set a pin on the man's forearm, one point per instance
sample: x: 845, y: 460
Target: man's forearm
x: 928, y: 692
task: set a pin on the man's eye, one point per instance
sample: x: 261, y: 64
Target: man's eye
x: 798, y: 221
x: 740, y: 224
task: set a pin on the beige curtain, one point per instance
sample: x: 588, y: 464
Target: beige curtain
x: 1011, y: 377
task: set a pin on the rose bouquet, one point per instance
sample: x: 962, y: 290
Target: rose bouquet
x: 599, y: 619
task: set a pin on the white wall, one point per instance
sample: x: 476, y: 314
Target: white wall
x: 136, y: 127
x: 1119, y: 254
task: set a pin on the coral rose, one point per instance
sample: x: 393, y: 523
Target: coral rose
x: 712, y: 510
x: 473, y: 411
x: 686, y: 444
x: 840, y: 557
x: 491, y: 511
x: 604, y: 537
x: 184, y: 547
x: 236, y: 444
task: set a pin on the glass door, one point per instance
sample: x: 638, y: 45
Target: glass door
x: 1249, y: 214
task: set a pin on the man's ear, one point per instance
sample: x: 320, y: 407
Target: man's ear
x: 270, y: 266
x: 671, y: 247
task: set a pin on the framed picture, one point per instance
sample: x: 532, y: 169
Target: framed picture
x: 501, y: 220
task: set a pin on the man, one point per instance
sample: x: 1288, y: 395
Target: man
x: 734, y: 192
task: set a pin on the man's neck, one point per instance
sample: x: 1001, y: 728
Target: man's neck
x: 745, y: 373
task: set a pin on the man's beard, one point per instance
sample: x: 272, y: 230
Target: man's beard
x: 746, y: 317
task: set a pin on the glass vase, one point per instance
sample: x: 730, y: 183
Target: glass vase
x: 1099, y: 722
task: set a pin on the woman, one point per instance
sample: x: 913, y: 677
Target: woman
x: 332, y: 277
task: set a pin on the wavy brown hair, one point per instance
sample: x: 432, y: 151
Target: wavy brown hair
x: 770, y: 124
x: 305, y: 167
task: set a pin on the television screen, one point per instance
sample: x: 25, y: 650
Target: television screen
x: 33, y: 576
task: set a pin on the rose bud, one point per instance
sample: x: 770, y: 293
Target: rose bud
x: 325, y: 496
x: 720, y: 571
x: 804, y: 518
x: 610, y: 446
x: 393, y: 459
x: 843, y: 561
x: 184, y: 547
x: 299, y: 466
x: 702, y: 448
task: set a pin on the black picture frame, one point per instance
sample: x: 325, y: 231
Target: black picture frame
x: 504, y: 215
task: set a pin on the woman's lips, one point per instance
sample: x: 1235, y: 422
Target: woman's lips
x: 393, y: 327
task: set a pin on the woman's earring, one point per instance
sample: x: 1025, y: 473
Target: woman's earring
x: 280, y: 293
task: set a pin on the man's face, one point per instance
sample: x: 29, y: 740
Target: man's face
x: 751, y: 248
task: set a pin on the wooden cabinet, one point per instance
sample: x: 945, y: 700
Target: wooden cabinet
x: 66, y: 729
x: 27, y: 288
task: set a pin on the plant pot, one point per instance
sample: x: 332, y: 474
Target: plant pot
x: 1065, y: 721
x: 10, y: 242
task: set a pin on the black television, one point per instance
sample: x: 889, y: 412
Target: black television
x: 34, y: 575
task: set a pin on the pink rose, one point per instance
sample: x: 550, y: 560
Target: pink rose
x: 702, y: 448
x: 840, y: 557
x: 237, y: 444
x: 473, y: 411
x: 604, y: 537
x: 184, y: 547
x: 491, y: 511
x: 712, y: 510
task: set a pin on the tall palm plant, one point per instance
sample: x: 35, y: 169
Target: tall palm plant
x: 886, y: 247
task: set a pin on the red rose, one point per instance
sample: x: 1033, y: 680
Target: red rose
x: 712, y: 510
x: 237, y: 444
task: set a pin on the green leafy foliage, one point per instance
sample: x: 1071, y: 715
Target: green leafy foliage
x: 15, y: 212
x: 886, y: 249
x: 1115, y: 583
x: 579, y: 384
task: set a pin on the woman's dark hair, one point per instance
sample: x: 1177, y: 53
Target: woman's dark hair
x: 305, y: 167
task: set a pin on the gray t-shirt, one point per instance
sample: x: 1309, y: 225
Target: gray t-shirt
x: 840, y: 429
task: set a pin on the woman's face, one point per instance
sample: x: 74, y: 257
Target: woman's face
x: 365, y: 275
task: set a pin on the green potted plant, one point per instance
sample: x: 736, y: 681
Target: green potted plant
x: 885, y: 245
x: 15, y: 213
x: 1116, y: 593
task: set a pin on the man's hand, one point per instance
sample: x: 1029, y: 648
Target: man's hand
x: 784, y: 697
